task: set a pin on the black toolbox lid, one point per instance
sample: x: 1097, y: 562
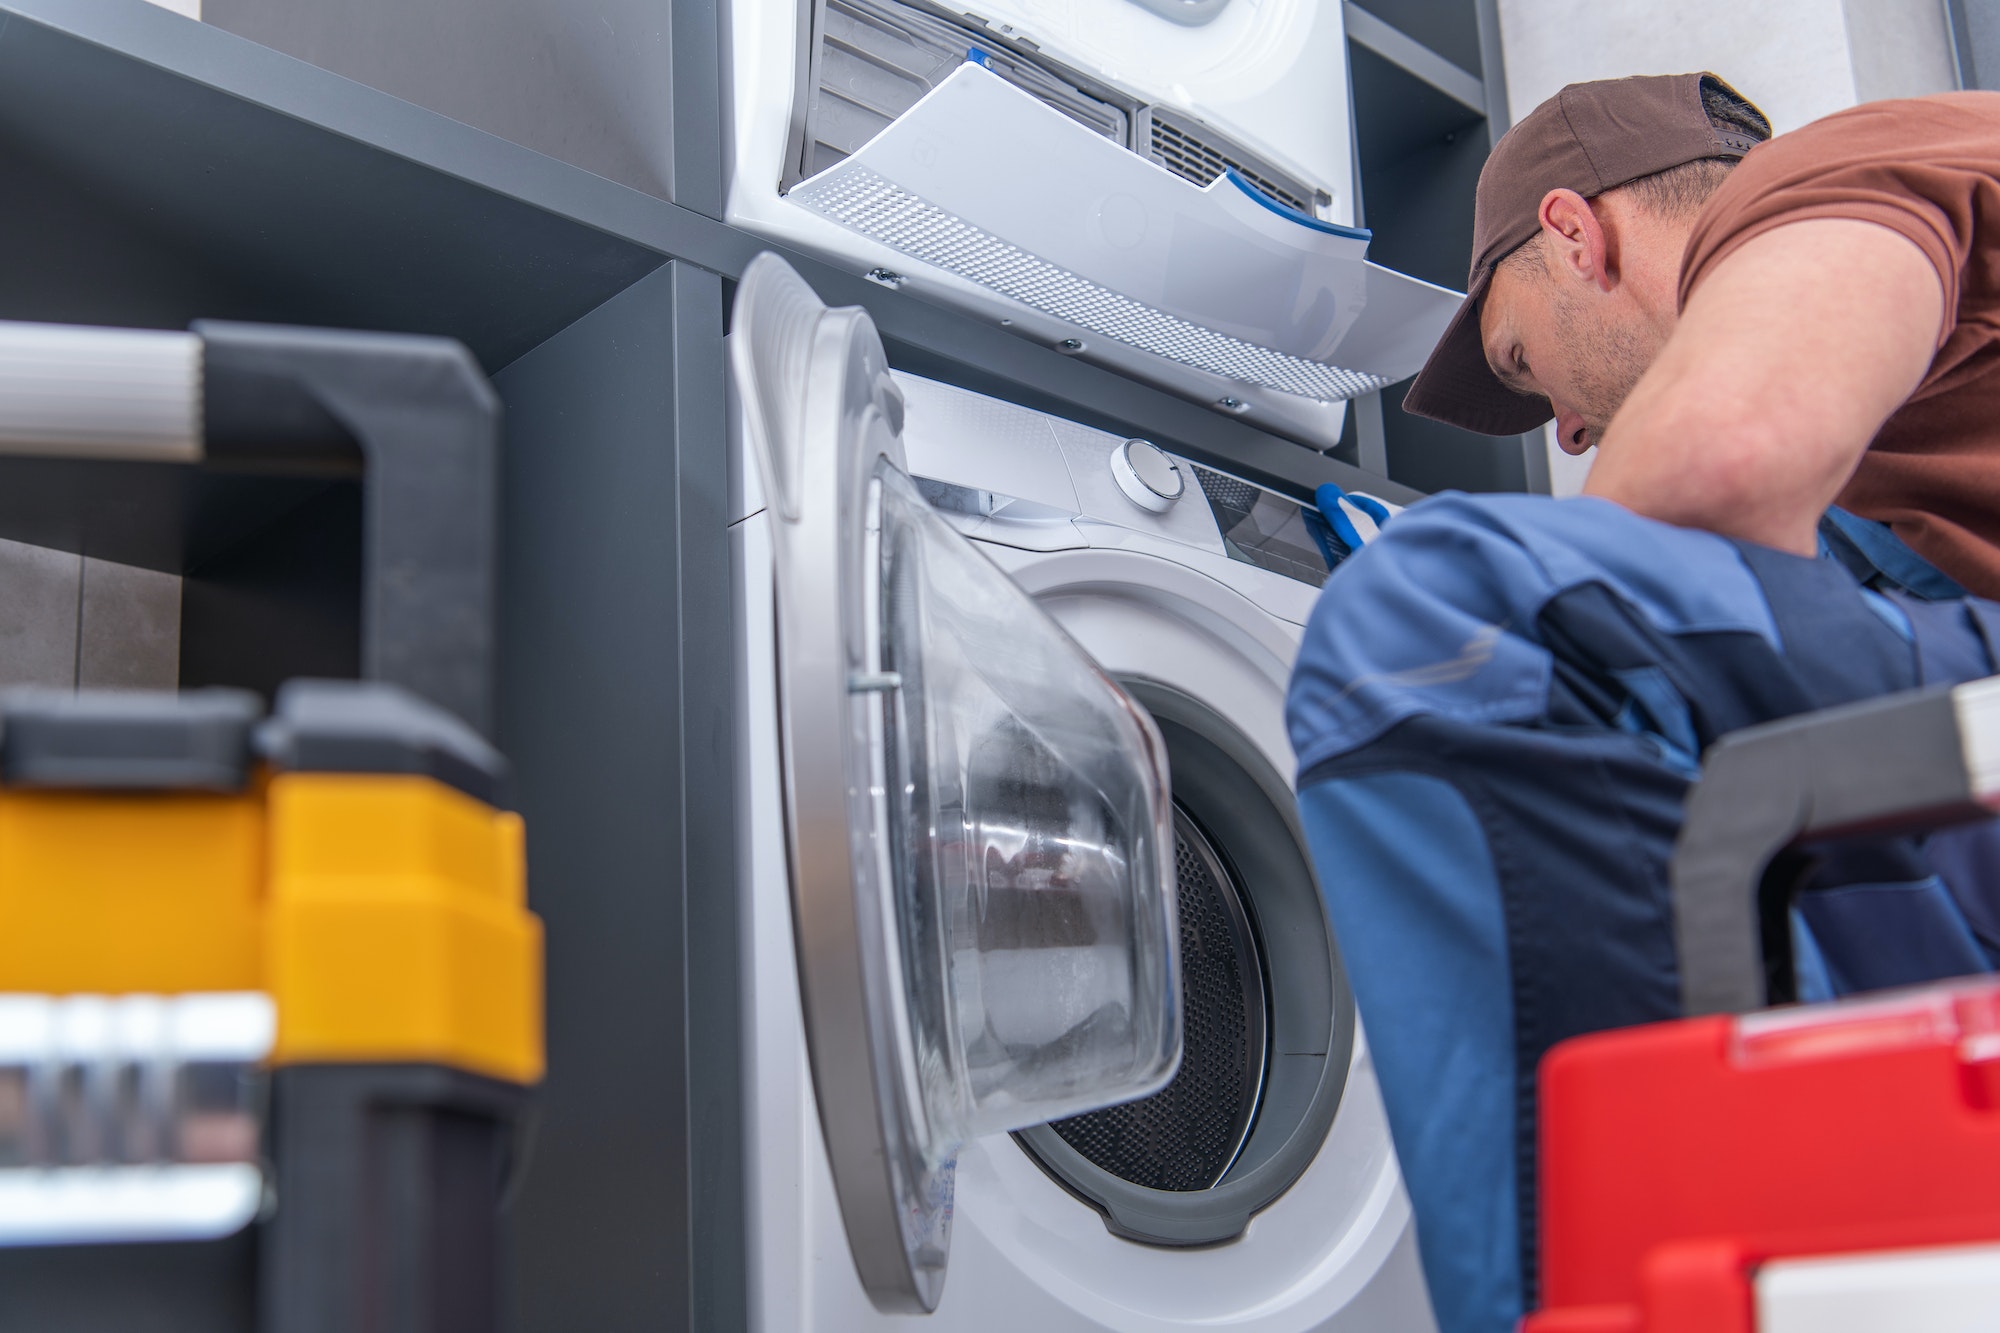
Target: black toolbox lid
x: 345, y: 726
x: 127, y: 739
x: 206, y: 740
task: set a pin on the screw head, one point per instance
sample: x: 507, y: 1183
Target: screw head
x: 1071, y: 345
x: 1230, y: 404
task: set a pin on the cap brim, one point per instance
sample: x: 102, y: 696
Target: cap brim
x: 1457, y: 387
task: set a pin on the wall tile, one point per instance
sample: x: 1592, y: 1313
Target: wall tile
x: 39, y: 593
x: 130, y: 636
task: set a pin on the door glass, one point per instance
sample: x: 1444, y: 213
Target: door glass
x: 1027, y: 828
x: 977, y: 818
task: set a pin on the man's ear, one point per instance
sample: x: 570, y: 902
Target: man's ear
x: 1577, y: 244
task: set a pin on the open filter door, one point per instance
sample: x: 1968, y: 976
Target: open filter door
x: 980, y: 831
x: 1220, y: 293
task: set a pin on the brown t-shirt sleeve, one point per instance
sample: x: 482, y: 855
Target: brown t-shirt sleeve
x: 1917, y: 167
x: 1929, y: 169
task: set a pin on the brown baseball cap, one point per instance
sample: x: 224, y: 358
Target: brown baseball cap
x: 1590, y: 137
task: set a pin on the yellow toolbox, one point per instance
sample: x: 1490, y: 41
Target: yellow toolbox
x: 270, y: 1003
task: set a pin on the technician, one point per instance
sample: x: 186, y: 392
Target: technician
x: 1499, y: 703
x: 1745, y: 345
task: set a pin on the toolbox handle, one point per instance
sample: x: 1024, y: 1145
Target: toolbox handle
x: 1909, y: 762
x: 412, y: 416
x: 425, y: 423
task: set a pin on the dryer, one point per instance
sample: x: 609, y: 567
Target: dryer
x: 1165, y: 187
x: 1256, y: 1188
x: 1197, y: 86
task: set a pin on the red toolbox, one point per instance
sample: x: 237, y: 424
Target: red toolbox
x: 1677, y: 1158
x: 1683, y: 1164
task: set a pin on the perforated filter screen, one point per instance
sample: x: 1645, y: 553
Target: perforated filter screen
x: 1185, y: 1136
x: 865, y: 202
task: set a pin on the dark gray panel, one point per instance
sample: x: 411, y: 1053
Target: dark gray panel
x: 1448, y: 27
x: 164, y: 516
x: 128, y: 82
x: 1420, y: 155
x: 1975, y: 34
x: 81, y: 257
x: 1414, y: 58
x: 708, y: 669
x: 177, y: 1287
x: 138, y: 195
x: 1493, y: 65
x: 697, y: 106
x: 587, y: 81
x: 282, y: 603
x: 393, y: 1180
x: 1432, y: 456
x: 591, y: 714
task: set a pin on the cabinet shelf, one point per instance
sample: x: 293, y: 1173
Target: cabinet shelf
x: 162, y: 171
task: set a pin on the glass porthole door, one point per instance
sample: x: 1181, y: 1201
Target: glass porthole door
x: 980, y: 831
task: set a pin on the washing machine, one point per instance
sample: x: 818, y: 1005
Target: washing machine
x: 1247, y: 1181
x: 1162, y: 186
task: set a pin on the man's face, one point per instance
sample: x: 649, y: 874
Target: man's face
x: 1550, y: 333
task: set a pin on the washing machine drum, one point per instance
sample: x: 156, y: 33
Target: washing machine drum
x: 1268, y: 1022
x: 1188, y: 1135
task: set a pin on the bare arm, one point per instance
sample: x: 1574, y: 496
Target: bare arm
x: 1787, y: 360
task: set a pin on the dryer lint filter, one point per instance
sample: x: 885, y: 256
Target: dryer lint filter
x: 986, y: 183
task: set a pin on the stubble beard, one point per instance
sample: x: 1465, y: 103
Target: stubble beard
x: 1608, y: 357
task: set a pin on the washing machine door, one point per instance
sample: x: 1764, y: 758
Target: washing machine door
x: 980, y: 831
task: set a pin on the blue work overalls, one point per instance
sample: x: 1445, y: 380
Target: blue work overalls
x: 1497, y: 710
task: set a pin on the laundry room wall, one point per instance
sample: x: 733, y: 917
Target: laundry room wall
x: 69, y: 621
x: 1796, y: 59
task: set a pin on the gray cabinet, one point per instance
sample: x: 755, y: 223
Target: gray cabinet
x: 1975, y: 39
x: 590, y: 81
x: 1429, y: 102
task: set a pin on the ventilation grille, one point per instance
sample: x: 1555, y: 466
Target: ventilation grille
x: 1186, y: 1136
x: 866, y: 203
x: 1180, y: 147
x: 877, y: 57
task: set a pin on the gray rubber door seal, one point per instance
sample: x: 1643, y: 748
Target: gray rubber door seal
x: 1225, y: 785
